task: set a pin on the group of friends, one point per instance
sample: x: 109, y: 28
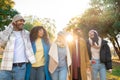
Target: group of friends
x: 31, y: 56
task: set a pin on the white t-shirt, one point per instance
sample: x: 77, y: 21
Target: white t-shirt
x: 19, y: 48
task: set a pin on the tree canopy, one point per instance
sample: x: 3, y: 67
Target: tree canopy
x: 6, y: 12
x: 103, y: 16
x: 47, y: 23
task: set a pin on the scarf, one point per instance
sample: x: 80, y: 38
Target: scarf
x: 96, y: 46
x: 75, y: 58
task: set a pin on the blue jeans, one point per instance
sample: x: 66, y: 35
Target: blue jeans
x: 37, y: 73
x: 98, y: 68
x: 17, y: 73
x: 59, y: 74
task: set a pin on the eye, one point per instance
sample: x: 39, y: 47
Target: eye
x: 22, y: 20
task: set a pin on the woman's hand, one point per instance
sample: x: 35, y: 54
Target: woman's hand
x: 110, y: 70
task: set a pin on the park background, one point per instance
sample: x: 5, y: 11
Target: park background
x: 56, y: 15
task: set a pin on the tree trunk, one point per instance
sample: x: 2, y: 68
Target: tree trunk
x: 116, y: 48
x: 117, y: 43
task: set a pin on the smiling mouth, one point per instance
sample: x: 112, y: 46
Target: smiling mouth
x: 21, y: 25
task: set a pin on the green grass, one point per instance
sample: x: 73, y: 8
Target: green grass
x: 115, y: 75
x: 116, y: 71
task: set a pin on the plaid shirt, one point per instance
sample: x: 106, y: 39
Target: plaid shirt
x: 8, y: 36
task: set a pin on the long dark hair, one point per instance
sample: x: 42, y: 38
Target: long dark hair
x: 34, y: 34
x: 95, y: 38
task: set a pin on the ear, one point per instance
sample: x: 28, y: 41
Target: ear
x: 13, y: 23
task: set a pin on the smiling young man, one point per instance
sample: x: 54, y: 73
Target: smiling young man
x: 17, y: 52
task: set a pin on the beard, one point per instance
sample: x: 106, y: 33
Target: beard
x: 19, y: 27
x: 78, y: 34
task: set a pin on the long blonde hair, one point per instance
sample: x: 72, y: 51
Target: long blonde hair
x: 61, y: 40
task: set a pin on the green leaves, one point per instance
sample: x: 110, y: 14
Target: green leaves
x: 6, y: 12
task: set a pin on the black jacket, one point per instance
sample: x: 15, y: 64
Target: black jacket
x: 105, y: 54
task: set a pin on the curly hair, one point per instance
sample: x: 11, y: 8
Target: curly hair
x: 34, y: 34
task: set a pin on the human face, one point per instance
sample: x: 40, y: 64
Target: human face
x: 40, y: 33
x: 91, y: 34
x: 19, y: 25
x: 79, y: 32
x: 61, y: 38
